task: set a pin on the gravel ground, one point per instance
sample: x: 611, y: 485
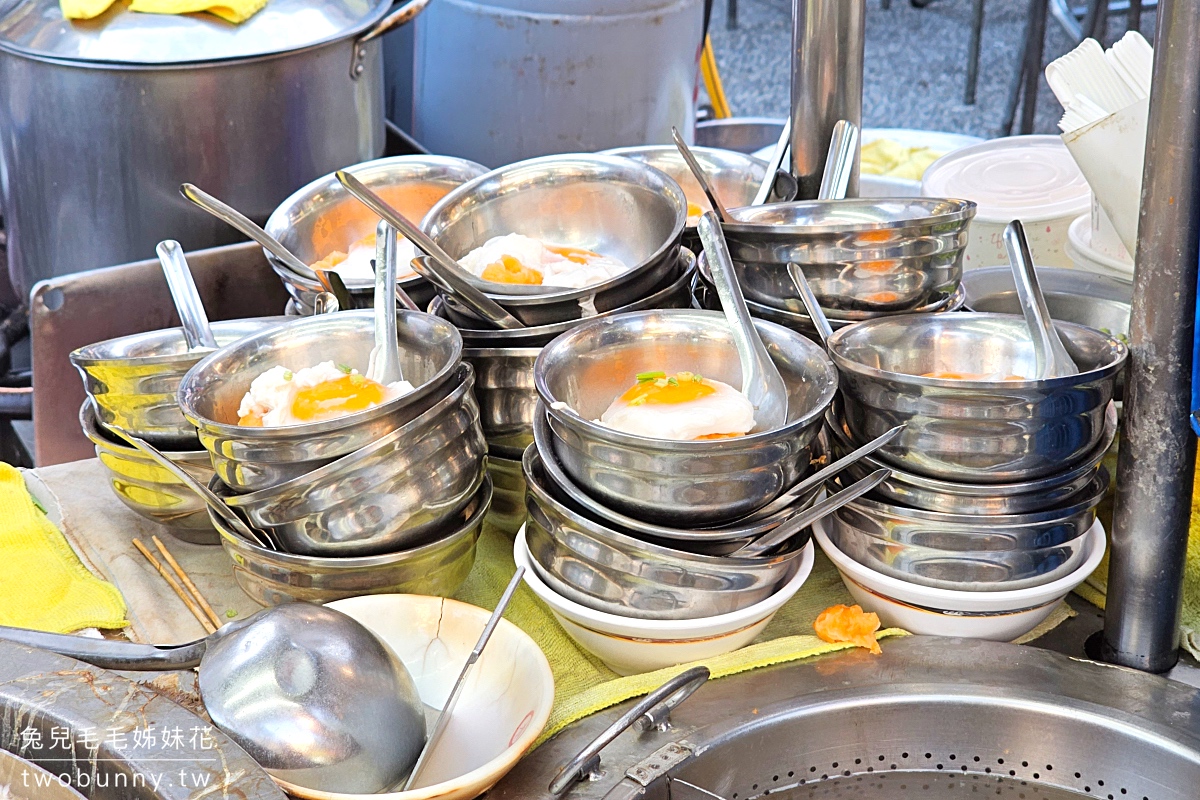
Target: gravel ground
x: 915, y: 62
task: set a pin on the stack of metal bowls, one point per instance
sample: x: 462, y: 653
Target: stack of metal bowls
x: 360, y: 497
x: 864, y: 258
x: 131, y: 383
x: 734, y: 176
x: 323, y: 217
x: 650, y: 528
x: 995, y: 478
x: 610, y: 205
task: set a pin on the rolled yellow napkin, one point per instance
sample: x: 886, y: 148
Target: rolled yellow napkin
x: 43, y: 584
x: 235, y: 11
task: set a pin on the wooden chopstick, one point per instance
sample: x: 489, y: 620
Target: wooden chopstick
x: 187, y: 582
x: 187, y: 601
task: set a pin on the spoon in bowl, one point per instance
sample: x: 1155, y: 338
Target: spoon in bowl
x: 815, y: 312
x: 698, y: 173
x: 236, y: 219
x: 439, y: 268
x: 188, y: 304
x: 384, y: 363
x: 227, y: 514
x: 762, y: 384
x: 839, y: 161
x: 1051, y: 358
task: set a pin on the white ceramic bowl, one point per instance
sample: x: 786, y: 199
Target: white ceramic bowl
x: 504, y: 705
x: 1000, y: 616
x: 629, y: 645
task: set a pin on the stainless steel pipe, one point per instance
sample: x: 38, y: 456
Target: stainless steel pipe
x: 827, y: 83
x: 1158, y: 449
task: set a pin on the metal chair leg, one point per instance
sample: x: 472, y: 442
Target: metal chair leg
x: 973, y: 53
x: 1033, y: 63
x: 731, y: 21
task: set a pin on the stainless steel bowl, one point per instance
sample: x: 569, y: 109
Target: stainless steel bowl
x: 672, y: 483
x: 507, y: 398
x: 970, y: 571
x: 707, y: 297
x: 865, y: 255
x: 987, y: 499
x: 149, y: 490
x: 603, y: 569
x: 613, y: 206
x: 391, y: 494
x: 717, y: 540
x: 322, y: 217
x: 678, y: 294
x: 436, y: 568
x: 972, y: 431
x: 252, y: 459
x: 508, y: 501
x: 973, y: 533
x: 133, y: 379
x: 734, y: 176
x: 1072, y: 295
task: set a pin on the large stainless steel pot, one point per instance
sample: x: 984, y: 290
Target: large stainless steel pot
x: 102, y: 120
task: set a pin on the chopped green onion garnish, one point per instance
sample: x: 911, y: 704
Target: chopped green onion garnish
x: 345, y: 369
x: 230, y: 613
x: 649, y: 376
x: 673, y: 381
x: 287, y: 374
x: 697, y: 379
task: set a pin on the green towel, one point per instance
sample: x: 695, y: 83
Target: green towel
x: 583, y: 685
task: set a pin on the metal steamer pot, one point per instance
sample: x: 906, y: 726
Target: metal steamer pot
x: 103, y: 119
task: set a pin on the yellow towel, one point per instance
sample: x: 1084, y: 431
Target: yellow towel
x: 43, y: 584
x: 234, y: 11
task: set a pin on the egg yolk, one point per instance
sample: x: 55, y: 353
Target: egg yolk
x: 576, y: 255
x: 328, y: 399
x: 968, y: 376
x: 509, y: 270
x: 694, y: 210
x: 663, y: 390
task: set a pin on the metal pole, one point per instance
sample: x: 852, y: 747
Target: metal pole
x: 827, y: 81
x: 1158, y: 450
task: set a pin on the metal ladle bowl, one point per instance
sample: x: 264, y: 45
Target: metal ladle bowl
x: 308, y: 692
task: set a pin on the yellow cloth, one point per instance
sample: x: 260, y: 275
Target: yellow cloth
x: 234, y: 11
x: 583, y: 685
x: 1094, y: 589
x: 43, y: 584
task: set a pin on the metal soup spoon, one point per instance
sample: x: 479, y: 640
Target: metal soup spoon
x: 1051, y: 358
x: 701, y: 178
x: 188, y: 304
x: 762, y: 384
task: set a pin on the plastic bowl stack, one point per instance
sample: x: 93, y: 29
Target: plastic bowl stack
x: 642, y: 534
x: 323, y: 217
x: 388, y: 499
x: 988, y: 519
x: 131, y: 383
x: 610, y: 205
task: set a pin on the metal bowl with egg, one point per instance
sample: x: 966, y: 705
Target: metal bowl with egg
x: 256, y: 458
x: 133, y: 379
x: 605, y: 205
x: 437, y: 567
x: 959, y: 383
x: 866, y: 256
x: 322, y: 217
x: 147, y: 488
x: 393, y: 493
x: 677, y: 483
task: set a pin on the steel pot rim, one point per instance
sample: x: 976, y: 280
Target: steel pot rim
x: 959, y: 211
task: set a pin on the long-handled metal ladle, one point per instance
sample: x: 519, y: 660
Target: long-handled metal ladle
x: 188, y: 304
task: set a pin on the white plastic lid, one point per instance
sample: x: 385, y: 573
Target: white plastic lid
x: 1029, y: 178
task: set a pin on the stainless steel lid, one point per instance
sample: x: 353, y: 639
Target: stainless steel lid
x: 120, y: 36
